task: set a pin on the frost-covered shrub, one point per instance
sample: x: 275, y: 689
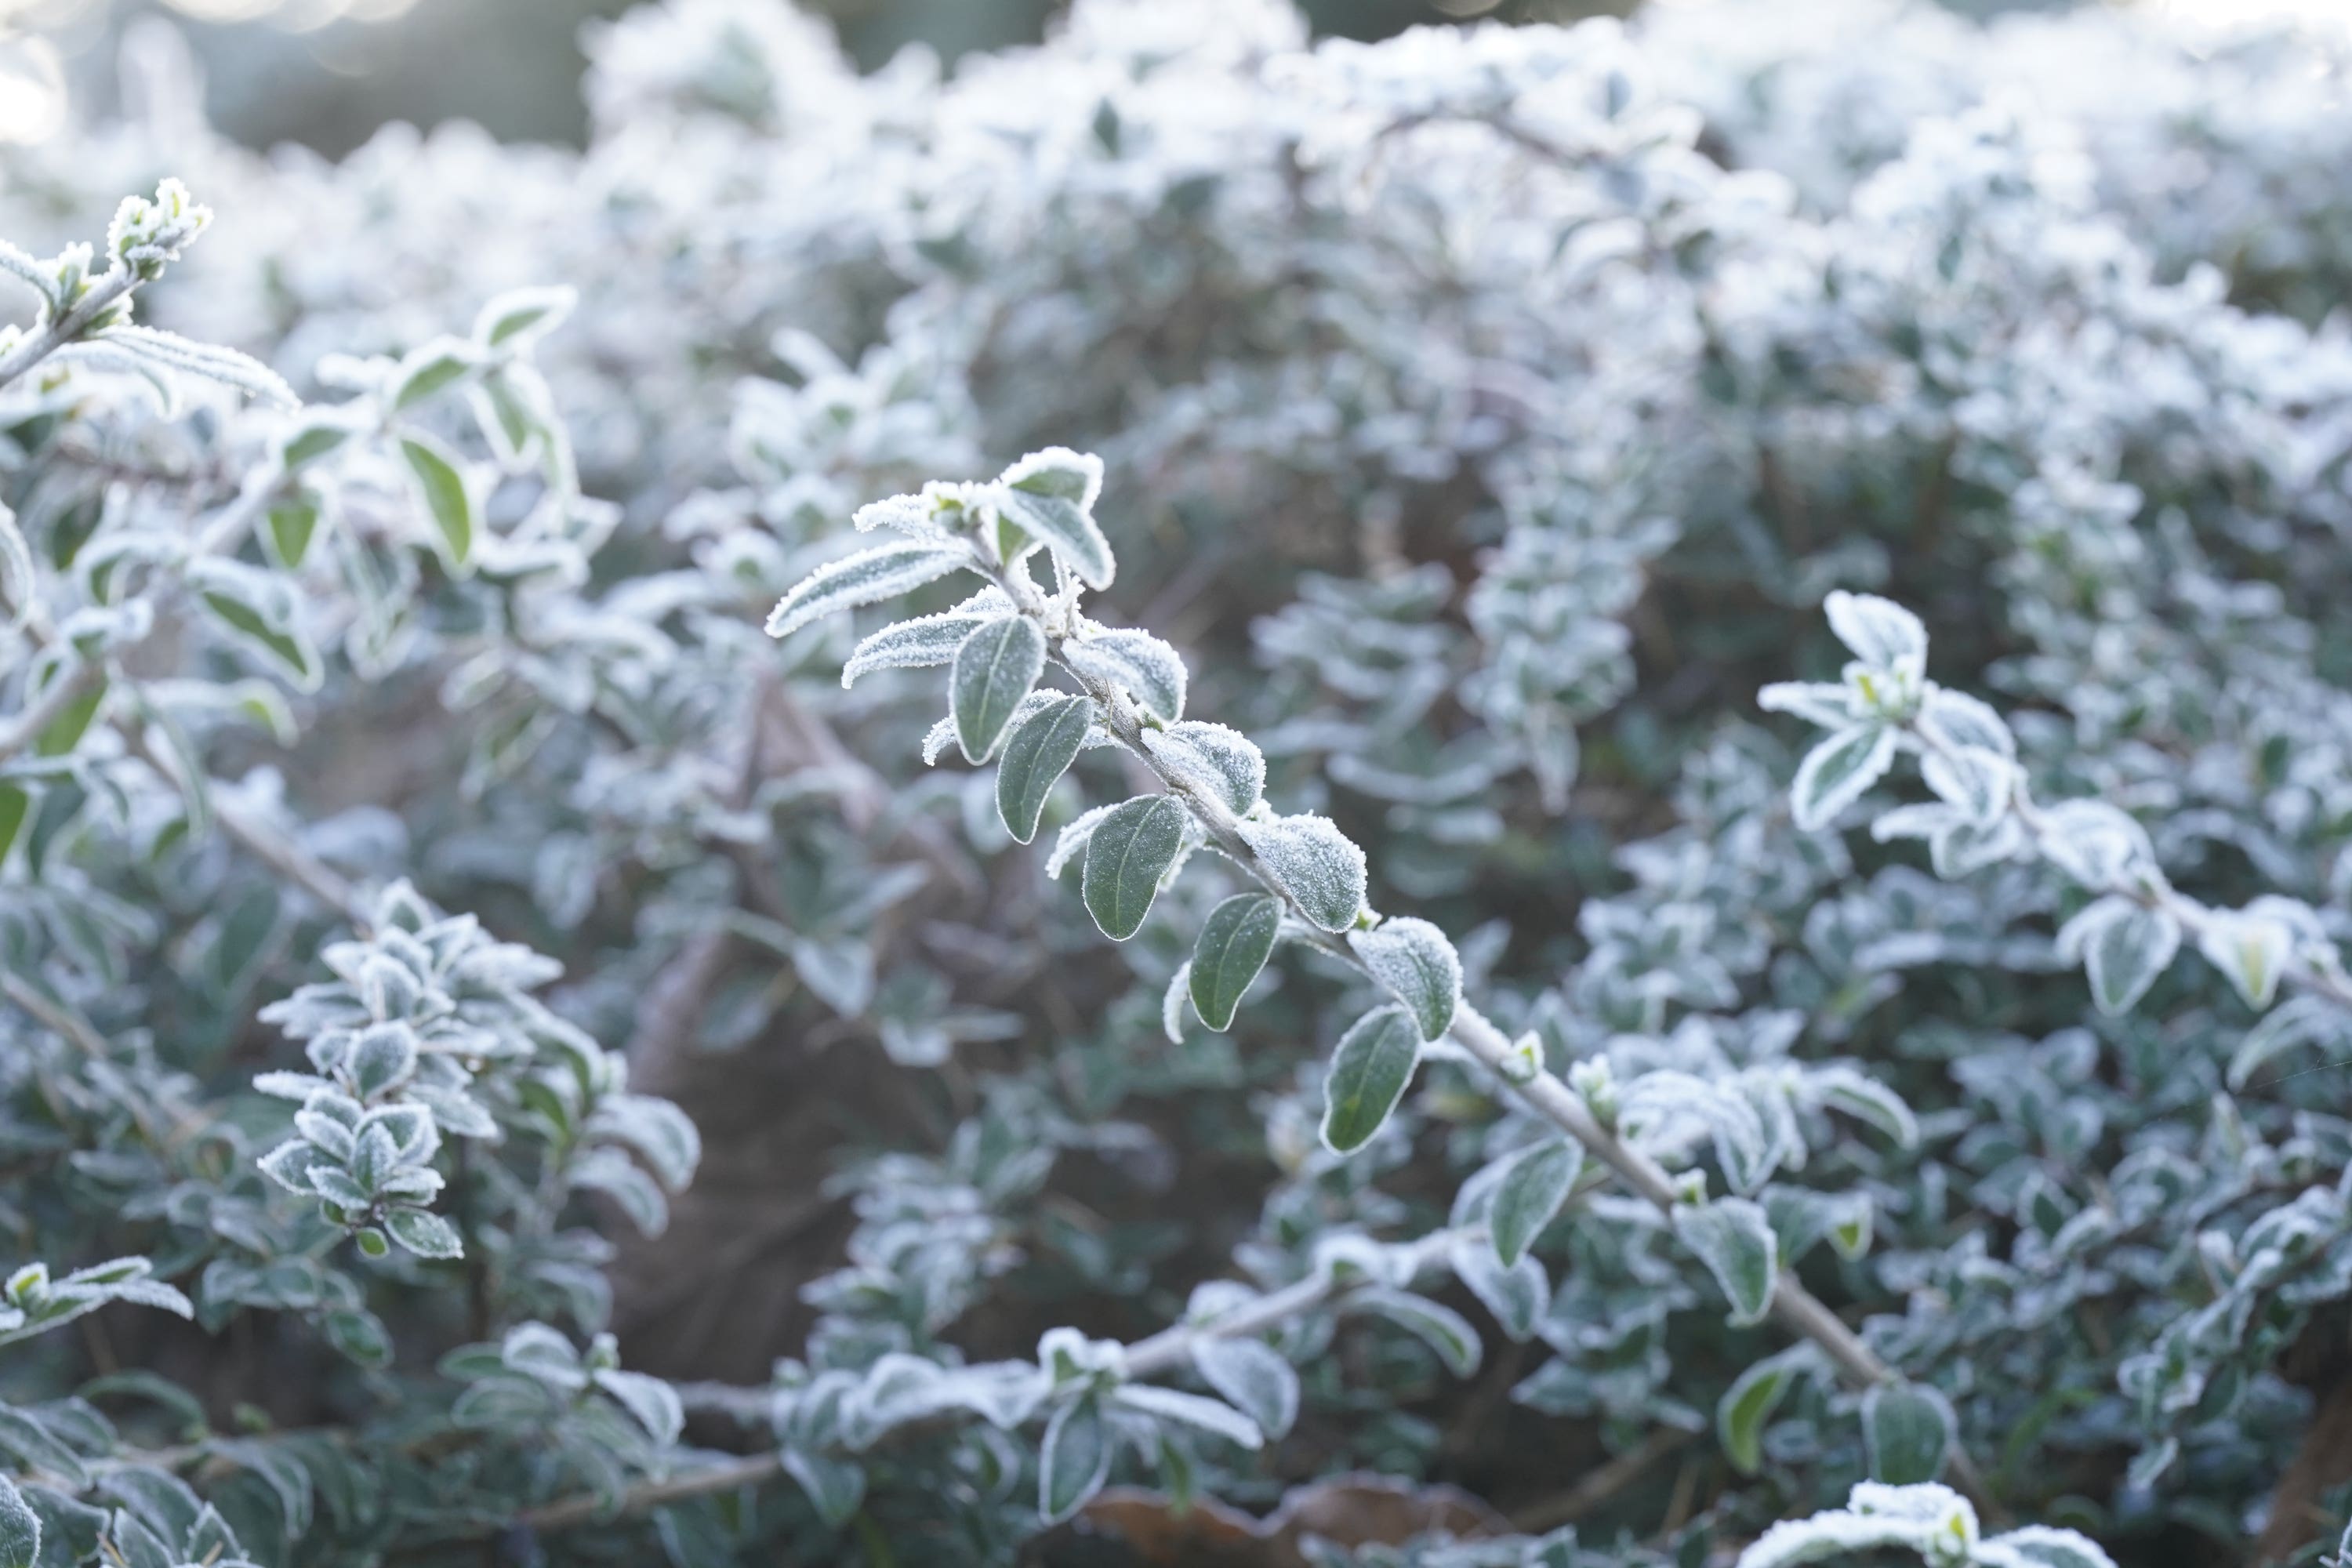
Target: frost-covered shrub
x: 1522, y: 500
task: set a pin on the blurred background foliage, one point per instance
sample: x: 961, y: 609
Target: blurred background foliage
x: 327, y: 73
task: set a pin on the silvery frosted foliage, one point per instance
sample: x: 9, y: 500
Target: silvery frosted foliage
x: 1514, y: 1066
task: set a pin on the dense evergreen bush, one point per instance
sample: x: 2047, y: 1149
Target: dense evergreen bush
x: 1741, y: 605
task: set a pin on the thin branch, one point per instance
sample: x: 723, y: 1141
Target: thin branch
x: 2161, y: 896
x: 68, y: 327
x: 1796, y: 1308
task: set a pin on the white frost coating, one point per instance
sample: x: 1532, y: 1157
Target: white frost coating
x: 2251, y: 948
x: 2122, y: 949
x: 1084, y: 469
x: 917, y: 644
x: 1835, y: 772
x: 1072, y: 840
x: 1882, y: 633
x: 1956, y: 719
x: 915, y: 515
x: 1222, y: 764
x: 1316, y: 864
x: 1929, y: 1518
x: 1173, y: 1000
x: 1137, y: 663
x: 1413, y: 959
x: 868, y: 577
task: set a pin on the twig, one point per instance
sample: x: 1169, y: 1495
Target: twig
x: 1795, y: 1307
x: 67, y: 327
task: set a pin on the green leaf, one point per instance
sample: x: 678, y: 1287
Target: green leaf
x: 290, y: 524
x: 1234, y: 945
x: 1747, y: 1405
x: 1906, y: 1429
x: 1131, y: 849
x: 1253, y: 1377
x: 1835, y: 772
x: 447, y: 500
x: 868, y: 577
x: 1370, y: 1070
x: 1037, y: 754
x: 38, y: 1447
x: 917, y: 644
x: 20, y: 1528
x: 1138, y: 664
x: 521, y: 315
x: 837, y: 1487
x: 313, y: 440
x: 1439, y: 1327
x: 1075, y: 1459
x: 1210, y: 1416
x: 1318, y: 866
x: 15, y: 801
x: 65, y: 731
x: 431, y: 369
x: 70, y: 1530
x: 259, y: 611
x: 996, y: 667
x: 1734, y: 1241
x: 2124, y: 949
x: 1049, y: 495
x: 424, y: 1233
x: 1413, y: 959
x: 1532, y: 1188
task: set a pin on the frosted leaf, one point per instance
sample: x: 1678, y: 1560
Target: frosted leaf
x: 2304, y: 1020
x: 1882, y: 633
x: 1036, y: 753
x: 1855, y: 1093
x: 1907, y: 1429
x: 1370, y: 1070
x: 1835, y: 772
x: 1232, y: 947
x: 1734, y: 1239
x: 1071, y: 842
x: 1413, y: 959
x: 1210, y: 1416
x: 1973, y: 781
x: 1816, y: 703
x: 1515, y: 1293
x: 2045, y: 1546
x: 920, y: 643
x: 1253, y: 1377
x: 2253, y: 950
x: 1221, y: 763
x: 865, y: 578
x: 431, y: 369
x: 1074, y: 477
x: 2123, y: 947
x: 1129, y: 855
x: 208, y: 361
x: 1958, y: 720
x: 1528, y: 1192
x: 1137, y: 663
x: 520, y: 317
x: 915, y: 515
x: 937, y: 740
x: 2094, y: 844
x: 1050, y: 496
x: 1315, y: 863
x: 1436, y: 1325
x: 1931, y: 1520
x: 1173, y: 1000
x: 995, y: 669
